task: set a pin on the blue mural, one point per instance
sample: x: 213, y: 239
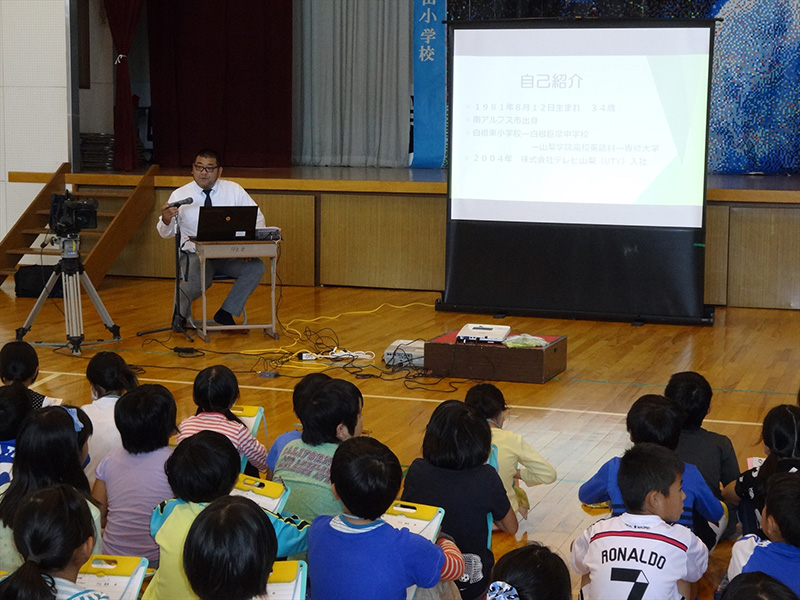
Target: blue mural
x: 755, y: 100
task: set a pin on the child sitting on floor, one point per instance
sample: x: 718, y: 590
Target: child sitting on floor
x: 515, y: 458
x: 14, y: 407
x: 657, y: 420
x: 19, y: 362
x: 533, y: 572
x: 301, y: 396
x: 53, y: 531
x: 109, y: 377
x: 356, y: 554
x: 453, y: 475
x: 46, y: 453
x: 215, y: 391
x: 712, y: 453
x: 131, y: 480
x: 780, y: 434
x: 304, y: 466
x: 779, y: 556
x: 201, y: 469
x: 638, y: 554
x: 229, y: 550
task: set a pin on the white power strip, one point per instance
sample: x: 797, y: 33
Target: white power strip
x: 337, y: 354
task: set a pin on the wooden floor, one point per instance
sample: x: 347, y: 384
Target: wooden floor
x: 576, y: 420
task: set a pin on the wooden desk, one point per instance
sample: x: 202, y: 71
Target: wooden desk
x: 254, y: 249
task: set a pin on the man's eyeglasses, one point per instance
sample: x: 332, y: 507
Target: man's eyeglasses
x: 203, y: 169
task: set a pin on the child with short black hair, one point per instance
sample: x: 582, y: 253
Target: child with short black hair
x: 202, y: 468
x: 53, y: 531
x: 333, y: 415
x: 453, y: 474
x: 19, y: 362
x: 46, y: 453
x: 712, y: 453
x: 533, y: 572
x: 131, y: 480
x: 656, y: 419
x: 229, y: 550
x: 109, y: 378
x: 301, y: 396
x: 14, y: 407
x: 779, y: 554
x: 638, y: 552
x: 515, y: 457
x: 356, y: 554
x: 215, y: 391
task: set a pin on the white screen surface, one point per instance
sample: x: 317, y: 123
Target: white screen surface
x: 580, y: 125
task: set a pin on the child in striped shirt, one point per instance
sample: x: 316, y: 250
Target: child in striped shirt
x: 215, y: 391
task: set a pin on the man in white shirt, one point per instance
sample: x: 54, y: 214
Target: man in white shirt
x: 207, y: 189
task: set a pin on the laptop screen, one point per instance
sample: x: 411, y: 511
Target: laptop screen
x: 226, y: 223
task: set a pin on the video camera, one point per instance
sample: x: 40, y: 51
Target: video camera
x: 68, y: 215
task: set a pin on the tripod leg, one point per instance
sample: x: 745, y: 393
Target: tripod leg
x: 73, y: 314
x: 99, y: 306
x: 26, y: 327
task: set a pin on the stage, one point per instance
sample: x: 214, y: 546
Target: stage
x: 386, y: 228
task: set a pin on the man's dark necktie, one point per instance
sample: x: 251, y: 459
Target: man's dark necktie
x: 208, y: 198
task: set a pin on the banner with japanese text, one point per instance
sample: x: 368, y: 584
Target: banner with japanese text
x: 429, y: 52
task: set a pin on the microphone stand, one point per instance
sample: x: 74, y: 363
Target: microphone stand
x: 177, y: 320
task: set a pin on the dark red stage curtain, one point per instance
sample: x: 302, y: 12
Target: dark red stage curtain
x: 123, y: 16
x: 221, y: 77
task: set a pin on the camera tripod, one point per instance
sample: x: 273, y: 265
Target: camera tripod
x: 70, y: 268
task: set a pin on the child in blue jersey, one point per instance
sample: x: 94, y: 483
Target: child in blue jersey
x: 357, y: 555
x: 202, y: 468
x: 779, y: 556
x: 54, y: 533
x: 656, y: 419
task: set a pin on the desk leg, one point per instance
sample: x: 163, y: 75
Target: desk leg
x: 204, y: 328
x: 272, y: 268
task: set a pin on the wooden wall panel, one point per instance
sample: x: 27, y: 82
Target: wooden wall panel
x: 148, y: 255
x: 716, y: 279
x: 383, y: 241
x: 764, y: 261
x: 294, y: 214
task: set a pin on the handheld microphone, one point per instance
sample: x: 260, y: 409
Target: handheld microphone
x: 180, y: 202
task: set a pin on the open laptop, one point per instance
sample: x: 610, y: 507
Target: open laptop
x: 473, y: 332
x: 226, y: 223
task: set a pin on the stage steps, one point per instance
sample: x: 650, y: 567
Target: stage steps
x: 122, y: 204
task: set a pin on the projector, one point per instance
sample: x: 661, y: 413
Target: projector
x: 405, y: 353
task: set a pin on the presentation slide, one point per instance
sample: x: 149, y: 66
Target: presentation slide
x: 602, y: 125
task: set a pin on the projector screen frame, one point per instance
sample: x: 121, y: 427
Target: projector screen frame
x: 631, y: 258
